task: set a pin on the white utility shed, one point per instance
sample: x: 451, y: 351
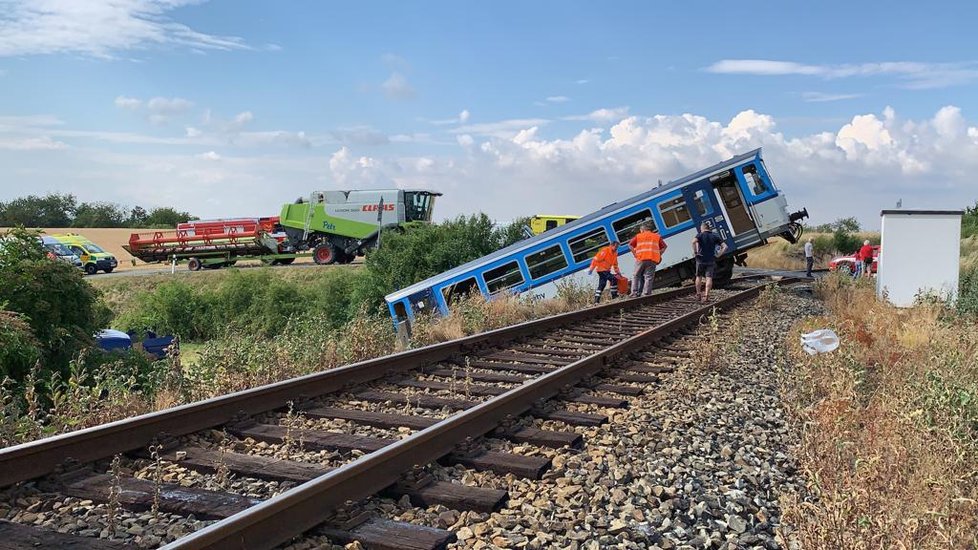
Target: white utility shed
x: 919, y: 253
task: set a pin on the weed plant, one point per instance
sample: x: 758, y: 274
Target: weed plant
x: 890, y: 442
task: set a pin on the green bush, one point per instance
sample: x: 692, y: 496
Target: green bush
x: 63, y: 310
x: 253, y: 302
x: 969, y: 223
x: 845, y: 242
x: 968, y: 293
x: 19, y: 350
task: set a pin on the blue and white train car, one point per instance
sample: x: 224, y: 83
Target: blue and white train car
x: 737, y: 196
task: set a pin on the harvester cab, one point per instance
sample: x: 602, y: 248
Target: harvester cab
x: 338, y: 226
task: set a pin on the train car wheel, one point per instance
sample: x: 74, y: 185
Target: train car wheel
x: 194, y: 264
x: 324, y: 254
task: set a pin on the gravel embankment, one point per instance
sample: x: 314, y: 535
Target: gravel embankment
x: 698, y: 461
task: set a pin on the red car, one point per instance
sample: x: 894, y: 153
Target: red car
x: 847, y: 264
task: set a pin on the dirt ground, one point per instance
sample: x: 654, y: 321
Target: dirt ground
x: 112, y: 239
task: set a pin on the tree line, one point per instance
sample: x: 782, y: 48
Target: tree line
x: 64, y: 210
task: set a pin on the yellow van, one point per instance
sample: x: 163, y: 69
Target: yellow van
x: 93, y: 258
x: 541, y: 223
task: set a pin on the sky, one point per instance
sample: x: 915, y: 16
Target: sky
x: 234, y: 107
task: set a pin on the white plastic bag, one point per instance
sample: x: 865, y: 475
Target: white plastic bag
x: 820, y: 341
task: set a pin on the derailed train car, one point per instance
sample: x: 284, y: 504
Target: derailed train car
x: 737, y: 196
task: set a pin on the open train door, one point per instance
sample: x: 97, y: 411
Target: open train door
x: 704, y: 206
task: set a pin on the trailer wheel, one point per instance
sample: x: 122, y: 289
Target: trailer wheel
x: 194, y: 264
x: 324, y: 254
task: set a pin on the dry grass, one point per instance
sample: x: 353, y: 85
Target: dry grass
x: 890, y: 424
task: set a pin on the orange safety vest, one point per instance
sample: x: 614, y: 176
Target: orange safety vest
x: 605, y: 259
x: 648, y: 246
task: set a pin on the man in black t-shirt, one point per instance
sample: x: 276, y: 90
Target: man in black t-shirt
x: 705, y: 250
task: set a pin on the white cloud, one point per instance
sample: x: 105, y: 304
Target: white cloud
x: 503, y: 128
x: 43, y: 143
x: 397, y: 87
x: 128, y: 103
x: 167, y: 106
x: 913, y: 75
x: 209, y: 155
x: 361, y: 135
x: 462, y: 118
x: 582, y: 81
x: 100, y: 28
x: 820, y: 97
x: 871, y: 161
x: 557, y: 99
x: 159, y: 110
x: 613, y: 114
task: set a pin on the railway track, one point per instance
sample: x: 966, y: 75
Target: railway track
x: 318, y: 443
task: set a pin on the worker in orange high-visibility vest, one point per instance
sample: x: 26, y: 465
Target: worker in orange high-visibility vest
x: 647, y: 247
x: 604, y: 262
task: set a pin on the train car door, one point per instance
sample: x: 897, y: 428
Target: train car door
x: 703, y: 206
x: 733, y: 202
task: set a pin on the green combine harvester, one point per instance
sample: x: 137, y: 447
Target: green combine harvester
x: 338, y: 226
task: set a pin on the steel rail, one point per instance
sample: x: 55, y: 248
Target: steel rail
x: 280, y: 518
x: 38, y: 458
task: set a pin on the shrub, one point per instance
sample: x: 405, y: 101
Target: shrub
x: 62, y: 309
x: 845, y: 242
x: 968, y: 293
x: 19, y: 350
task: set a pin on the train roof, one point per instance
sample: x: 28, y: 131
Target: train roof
x: 570, y: 226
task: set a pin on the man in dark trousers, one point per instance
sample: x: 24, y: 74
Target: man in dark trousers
x: 705, y: 250
x: 604, y: 262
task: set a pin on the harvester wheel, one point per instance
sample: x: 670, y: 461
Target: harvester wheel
x: 194, y: 264
x: 324, y: 254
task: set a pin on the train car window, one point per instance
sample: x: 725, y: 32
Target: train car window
x: 754, y: 181
x: 628, y: 227
x: 551, y: 224
x: 459, y: 290
x: 699, y: 198
x: 674, y: 212
x: 546, y: 261
x: 503, y: 277
x: 585, y: 246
